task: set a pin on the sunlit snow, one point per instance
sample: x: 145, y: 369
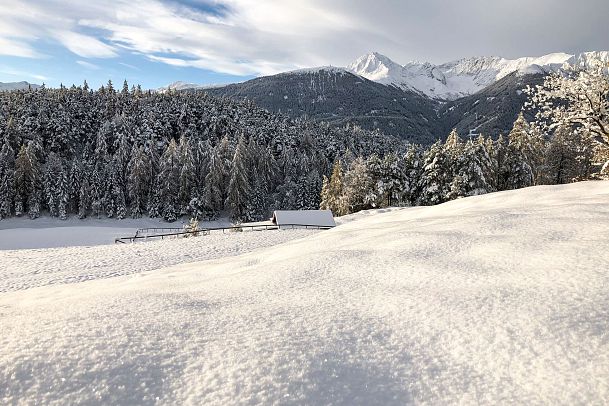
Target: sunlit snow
x: 501, y: 298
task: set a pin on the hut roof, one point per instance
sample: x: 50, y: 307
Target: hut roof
x: 320, y: 218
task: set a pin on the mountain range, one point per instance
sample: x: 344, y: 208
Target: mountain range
x: 10, y: 86
x: 456, y: 79
x: 419, y: 102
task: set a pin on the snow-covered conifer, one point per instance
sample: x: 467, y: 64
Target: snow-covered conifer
x: 217, y: 179
x: 7, y: 179
x: 138, y: 181
x: 187, y: 180
x: 28, y: 185
x: 239, y: 188
x: 517, y: 169
x: 168, y: 182
x: 332, y: 191
x: 436, y: 177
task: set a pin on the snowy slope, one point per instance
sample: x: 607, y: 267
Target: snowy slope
x: 494, y: 299
x: 27, y: 268
x: 50, y: 232
x: 463, y: 77
x: 17, y: 86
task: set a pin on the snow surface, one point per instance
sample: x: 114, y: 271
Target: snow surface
x: 24, y: 269
x: 463, y: 77
x: 494, y: 299
x: 47, y: 232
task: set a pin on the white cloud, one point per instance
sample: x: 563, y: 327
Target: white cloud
x: 88, y: 65
x: 84, y: 45
x: 267, y: 36
x: 129, y: 66
x: 13, y: 47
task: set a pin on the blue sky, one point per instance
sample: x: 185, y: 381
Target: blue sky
x: 156, y: 42
x: 62, y: 66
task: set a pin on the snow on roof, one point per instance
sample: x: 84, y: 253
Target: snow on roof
x: 321, y: 218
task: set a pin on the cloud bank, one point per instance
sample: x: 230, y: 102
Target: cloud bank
x: 243, y: 37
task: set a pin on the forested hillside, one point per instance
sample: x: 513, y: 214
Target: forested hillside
x: 131, y: 153
x: 337, y: 96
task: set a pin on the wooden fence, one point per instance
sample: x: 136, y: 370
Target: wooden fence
x: 168, y: 232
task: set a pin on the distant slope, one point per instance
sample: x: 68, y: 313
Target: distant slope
x: 338, y: 97
x: 491, y: 111
x: 9, y: 86
x: 493, y: 299
x: 419, y: 102
x: 180, y: 85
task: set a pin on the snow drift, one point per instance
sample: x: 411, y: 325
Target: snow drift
x: 499, y: 298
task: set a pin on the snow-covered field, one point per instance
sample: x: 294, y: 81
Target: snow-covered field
x: 502, y: 298
x: 47, y: 232
x: 25, y: 269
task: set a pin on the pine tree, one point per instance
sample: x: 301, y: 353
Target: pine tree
x: 332, y: 191
x: 76, y: 176
x: 436, y: 177
x: 187, y: 182
x: 473, y: 171
x: 27, y: 182
x: 499, y: 156
x: 239, y: 189
x: 517, y: 168
x: 569, y: 156
x: 202, y: 157
x: 153, y: 201
x: 63, y: 187
x: 84, y: 198
x: 7, y: 179
x: 54, y: 172
x: 412, y: 169
x: 118, y: 189
x: 168, y: 182
x: 453, y: 141
x: 138, y: 181
x: 483, y: 169
x: 217, y: 179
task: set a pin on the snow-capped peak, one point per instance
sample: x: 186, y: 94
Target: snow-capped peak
x: 462, y: 77
x: 375, y: 66
x: 590, y: 59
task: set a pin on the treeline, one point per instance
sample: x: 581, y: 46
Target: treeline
x: 132, y: 153
x: 456, y: 168
x: 75, y: 151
